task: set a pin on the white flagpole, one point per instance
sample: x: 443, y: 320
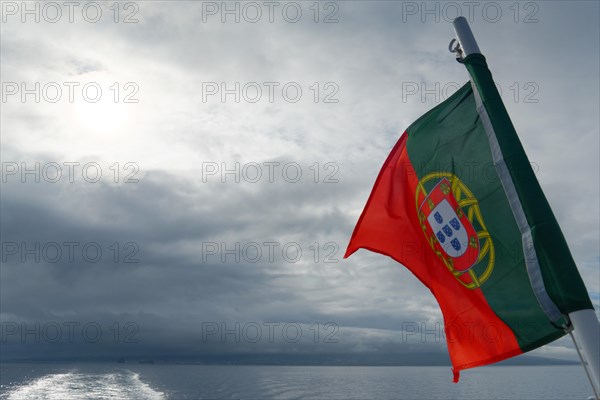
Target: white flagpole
x: 586, y: 329
x: 584, y: 323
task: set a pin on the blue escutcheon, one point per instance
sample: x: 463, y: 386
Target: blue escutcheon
x: 441, y: 237
x: 455, y: 244
x: 447, y: 230
x: 455, y: 224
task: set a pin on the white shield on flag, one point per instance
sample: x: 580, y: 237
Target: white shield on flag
x: 448, y: 229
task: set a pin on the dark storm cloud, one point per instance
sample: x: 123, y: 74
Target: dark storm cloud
x: 174, y: 288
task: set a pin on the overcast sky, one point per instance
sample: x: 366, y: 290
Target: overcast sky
x: 188, y: 172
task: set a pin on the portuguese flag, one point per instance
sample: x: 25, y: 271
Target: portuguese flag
x: 458, y: 204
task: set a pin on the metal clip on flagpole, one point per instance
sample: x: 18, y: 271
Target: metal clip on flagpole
x: 584, y: 323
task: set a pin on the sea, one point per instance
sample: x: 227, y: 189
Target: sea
x: 176, y: 381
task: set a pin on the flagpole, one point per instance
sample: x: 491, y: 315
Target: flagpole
x: 584, y: 323
x: 468, y: 44
x: 586, y: 329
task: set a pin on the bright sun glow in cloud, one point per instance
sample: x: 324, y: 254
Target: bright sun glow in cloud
x: 105, y: 116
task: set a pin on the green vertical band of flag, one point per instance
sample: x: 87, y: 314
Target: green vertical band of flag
x: 552, y: 272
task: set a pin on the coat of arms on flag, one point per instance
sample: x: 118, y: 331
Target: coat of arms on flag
x: 450, y: 229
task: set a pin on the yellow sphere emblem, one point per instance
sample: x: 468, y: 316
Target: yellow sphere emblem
x: 451, y: 221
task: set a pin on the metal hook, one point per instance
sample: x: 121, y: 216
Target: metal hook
x: 454, y: 47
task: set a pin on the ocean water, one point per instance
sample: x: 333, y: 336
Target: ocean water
x: 156, y: 381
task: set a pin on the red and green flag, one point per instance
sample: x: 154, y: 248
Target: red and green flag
x: 458, y: 204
